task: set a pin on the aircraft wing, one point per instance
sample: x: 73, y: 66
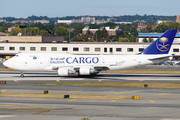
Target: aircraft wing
x: 99, y: 67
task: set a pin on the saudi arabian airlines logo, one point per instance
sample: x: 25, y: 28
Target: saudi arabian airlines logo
x: 162, y: 44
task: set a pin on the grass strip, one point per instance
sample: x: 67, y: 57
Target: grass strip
x: 72, y: 96
x: 143, y: 72
x: 116, y: 84
x: 6, y: 69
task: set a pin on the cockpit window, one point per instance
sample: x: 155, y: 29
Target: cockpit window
x: 16, y: 56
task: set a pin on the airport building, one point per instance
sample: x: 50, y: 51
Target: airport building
x: 154, y: 36
x: 11, y: 45
x: 10, y: 49
x: 31, y: 39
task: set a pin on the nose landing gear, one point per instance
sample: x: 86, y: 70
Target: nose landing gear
x: 22, y: 75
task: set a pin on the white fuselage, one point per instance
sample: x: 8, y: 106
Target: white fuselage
x: 53, y: 61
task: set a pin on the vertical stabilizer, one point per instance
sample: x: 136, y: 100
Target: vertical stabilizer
x: 162, y: 45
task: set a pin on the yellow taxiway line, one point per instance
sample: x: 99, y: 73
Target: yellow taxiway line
x: 141, y: 80
x: 15, y: 81
x: 119, y: 92
x: 164, y: 94
x: 113, y: 100
x: 72, y: 100
x: 74, y: 91
x: 3, y: 90
x: 38, y: 99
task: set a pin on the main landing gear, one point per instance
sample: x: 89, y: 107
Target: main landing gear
x: 22, y: 75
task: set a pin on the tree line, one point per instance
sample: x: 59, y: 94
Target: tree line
x: 124, y: 18
x: 73, y: 32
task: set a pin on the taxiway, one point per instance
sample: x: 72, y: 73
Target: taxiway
x: 155, y: 103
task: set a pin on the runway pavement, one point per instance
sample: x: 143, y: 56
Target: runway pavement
x: 1, y: 65
x: 154, y: 104
x: 105, y: 77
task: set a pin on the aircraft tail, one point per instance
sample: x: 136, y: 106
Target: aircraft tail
x: 162, y: 45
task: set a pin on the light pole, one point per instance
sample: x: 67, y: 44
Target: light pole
x: 70, y: 29
x: 69, y: 36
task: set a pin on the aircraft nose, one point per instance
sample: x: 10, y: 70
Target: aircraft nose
x: 7, y: 63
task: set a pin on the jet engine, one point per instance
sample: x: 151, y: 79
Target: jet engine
x: 65, y: 71
x: 87, y: 71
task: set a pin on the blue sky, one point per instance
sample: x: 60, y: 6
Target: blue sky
x: 60, y: 8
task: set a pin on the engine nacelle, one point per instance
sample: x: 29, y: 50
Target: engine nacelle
x: 86, y: 71
x: 65, y: 71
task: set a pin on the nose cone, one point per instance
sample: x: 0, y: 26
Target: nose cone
x: 8, y: 64
x: 5, y: 63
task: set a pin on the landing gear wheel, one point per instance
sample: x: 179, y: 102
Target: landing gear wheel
x: 22, y: 75
x: 91, y: 75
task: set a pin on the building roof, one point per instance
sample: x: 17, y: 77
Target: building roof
x: 3, y: 34
x: 153, y: 34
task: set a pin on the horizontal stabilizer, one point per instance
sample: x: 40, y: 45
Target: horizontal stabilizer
x: 159, y: 58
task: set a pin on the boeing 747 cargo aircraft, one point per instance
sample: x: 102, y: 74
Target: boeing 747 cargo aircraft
x: 66, y: 64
